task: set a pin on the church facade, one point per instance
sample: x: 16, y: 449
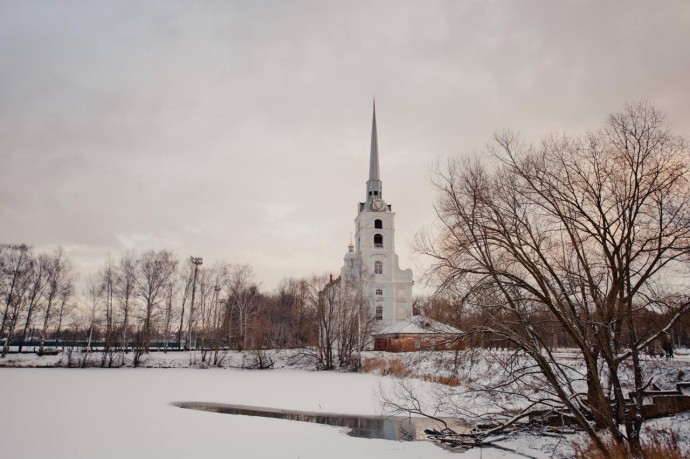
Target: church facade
x: 371, y: 257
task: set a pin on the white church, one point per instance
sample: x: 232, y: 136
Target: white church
x: 372, y: 258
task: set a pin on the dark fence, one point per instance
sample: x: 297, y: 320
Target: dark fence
x: 30, y: 344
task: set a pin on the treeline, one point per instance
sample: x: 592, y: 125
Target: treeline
x: 153, y: 299
x: 465, y: 315
x: 38, y: 293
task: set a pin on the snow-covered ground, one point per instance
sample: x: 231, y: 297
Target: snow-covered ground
x: 126, y: 413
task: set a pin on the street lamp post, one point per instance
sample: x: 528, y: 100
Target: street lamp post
x: 216, y: 325
x: 196, y: 261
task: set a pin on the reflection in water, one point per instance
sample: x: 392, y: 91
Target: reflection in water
x: 387, y: 428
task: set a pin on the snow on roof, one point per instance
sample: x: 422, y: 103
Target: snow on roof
x: 418, y: 325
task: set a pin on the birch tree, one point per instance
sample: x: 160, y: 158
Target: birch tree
x: 16, y: 263
x: 60, y: 281
x: 125, y: 290
x: 108, y: 279
x: 242, y: 295
x: 39, y: 271
x: 155, y: 272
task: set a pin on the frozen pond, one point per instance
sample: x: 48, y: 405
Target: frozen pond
x: 114, y: 413
x: 396, y: 428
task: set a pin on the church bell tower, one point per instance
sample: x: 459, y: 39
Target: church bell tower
x: 372, y: 257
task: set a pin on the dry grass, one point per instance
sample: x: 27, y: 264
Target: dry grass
x: 375, y: 365
x: 381, y: 366
x: 658, y: 445
x: 395, y: 367
x: 451, y: 381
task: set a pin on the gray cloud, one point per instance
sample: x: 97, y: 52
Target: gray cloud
x: 240, y: 130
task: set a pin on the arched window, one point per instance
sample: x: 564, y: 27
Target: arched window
x: 379, y: 291
x: 379, y: 312
x: 378, y: 224
x: 378, y: 267
x: 378, y: 241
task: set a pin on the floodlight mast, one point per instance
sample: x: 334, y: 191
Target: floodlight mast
x: 196, y: 261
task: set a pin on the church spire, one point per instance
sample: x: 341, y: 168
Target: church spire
x: 374, y: 184
x: 374, y: 154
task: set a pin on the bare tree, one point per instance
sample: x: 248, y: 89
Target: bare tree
x: 293, y: 296
x: 242, y: 295
x: 209, y: 322
x: 17, y: 267
x: 125, y: 290
x: 33, y: 286
x: 40, y: 267
x: 60, y: 280
x: 155, y: 272
x: 170, y: 312
x: 108, y: 279
x: 340, y: 311
x: 91, y: 316
x: 354, y: 322
x: 214, y: 323
x: 323, y: 300
x: 187, y: 278
x: 65, y: 302
x: 586, y: 232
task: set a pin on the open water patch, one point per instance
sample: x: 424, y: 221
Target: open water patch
x: 396, y: 428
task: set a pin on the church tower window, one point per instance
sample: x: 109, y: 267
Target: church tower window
x: 379, y: 291
x: 379, y: 312
x: 378, y: 241
x: 378, y: 267
x: 378, y: 224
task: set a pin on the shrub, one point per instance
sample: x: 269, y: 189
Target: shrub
x: 657, y: 445
x: 374, y: 365
x: 396, y: 368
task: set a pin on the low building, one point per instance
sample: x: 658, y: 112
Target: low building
x: 417, y: 333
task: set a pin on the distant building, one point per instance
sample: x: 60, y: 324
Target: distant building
x: 371, y: 259
x: 416, y: 333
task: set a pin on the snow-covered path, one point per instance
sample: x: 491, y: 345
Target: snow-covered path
x: 126, y: 413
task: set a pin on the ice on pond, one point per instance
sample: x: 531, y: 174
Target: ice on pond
x: 388, y: 428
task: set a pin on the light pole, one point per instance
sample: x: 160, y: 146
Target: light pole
x: 215, y: 334
x: 196, y: 261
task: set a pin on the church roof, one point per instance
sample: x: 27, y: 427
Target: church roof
x: 417, y: 325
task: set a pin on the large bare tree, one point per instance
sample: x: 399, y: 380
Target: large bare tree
x: 588, y: 233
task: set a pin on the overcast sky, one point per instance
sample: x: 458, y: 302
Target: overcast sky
x: 240, y: 130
